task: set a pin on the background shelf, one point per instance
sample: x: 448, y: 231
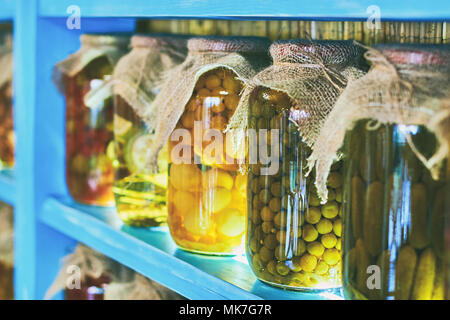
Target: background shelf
x: 7, y: 187
x: 6, y: 10
x: 47, y: 226
x: 154, y: 254
x: 437, y: 10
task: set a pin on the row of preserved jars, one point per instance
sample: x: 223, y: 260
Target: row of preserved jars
x: 7, y: 136
x: 383, y: 207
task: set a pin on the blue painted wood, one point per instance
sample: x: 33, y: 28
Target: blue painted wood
x: 437, y: 10
x: 39, y: 116
x: 6, y: 10
x: 7, y: 187
x: 154, y: 254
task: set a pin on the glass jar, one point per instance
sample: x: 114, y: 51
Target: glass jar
x: 6, y: 252
x: 207, y: 194
x: 140, y: 194
x: 89, y: 130
x: 293, y: 241
x: 394, y: 211
x: 7, y: 136
x: 394, y: 215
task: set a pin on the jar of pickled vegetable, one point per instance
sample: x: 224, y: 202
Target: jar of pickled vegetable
x: 207, y: 194
x: 394, y: 207
x: 293, y: 241
x: 6, y: 252
x: 141, y: 194
x: 89, y: 130
x: 7, y: 136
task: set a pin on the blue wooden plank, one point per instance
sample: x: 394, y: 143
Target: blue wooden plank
x: 39, y: 115
x: 7, y: 187
x: 436, y: 10
x: 6, y: 10
x: 154, y: 254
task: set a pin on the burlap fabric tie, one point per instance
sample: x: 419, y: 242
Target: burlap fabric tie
x: 245, y: 56
x: 92, y: 47
x: 312, y: 73
x: 139, y: 74
x: 6, y: 235
x: 407, y: 84
x: 6, y: 64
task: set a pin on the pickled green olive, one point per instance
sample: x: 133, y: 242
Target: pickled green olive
x: 300, y: 246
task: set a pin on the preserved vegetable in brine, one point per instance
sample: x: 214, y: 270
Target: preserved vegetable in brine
x: 293, y: 238
x: 89, y: 128
x: 393, y: 124
x: 207, y: 192
x: 141, y: 193
x: 7, y: 136
x: 207, y: 201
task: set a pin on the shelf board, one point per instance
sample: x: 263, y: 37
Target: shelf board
x: 6, y: 10
x: 7, y: 186
x: 436, y: 10
x: 154, y: 254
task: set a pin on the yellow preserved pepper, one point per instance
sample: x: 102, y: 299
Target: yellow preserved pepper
x: 425, y: 274
x: 357, y: 205
x: 418, y: 237
x: 406, y: 264
x: 373, y: 218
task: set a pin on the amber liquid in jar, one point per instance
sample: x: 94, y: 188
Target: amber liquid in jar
x: 293, y: 241
x: 394, y: 215
x: 7, y: 137
x: 89, y: 138
x: 141, y: 197
x: 207, y: 196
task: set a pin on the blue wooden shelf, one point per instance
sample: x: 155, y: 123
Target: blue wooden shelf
x: 154, y: 254
x: 7, y: 187
x: 6, y: 10
x: 47, y: 226
x: 436, y: 10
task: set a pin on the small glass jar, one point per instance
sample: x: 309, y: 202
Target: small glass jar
x: 394, y: 211
x: 140, y: 194
x: 6, y: 252
x: 293, y: 241
x: 7, y: 136
x: 207, y: 195
x: 89, y: 130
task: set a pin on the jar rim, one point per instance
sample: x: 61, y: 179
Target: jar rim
x: 228, y: 44
x: 410, y: 54
x: 92, y: 39
x: 153, y: 40
x: 330, y: 51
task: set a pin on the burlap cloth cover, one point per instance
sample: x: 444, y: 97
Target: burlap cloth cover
x: 6, y: 63
x: 245, y: 56
x: 90, y: 262
x: 6, y: 235
x: 93, y: 46
x: 139, y: 73
x: 312, y: 73
x: 406, y: 84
